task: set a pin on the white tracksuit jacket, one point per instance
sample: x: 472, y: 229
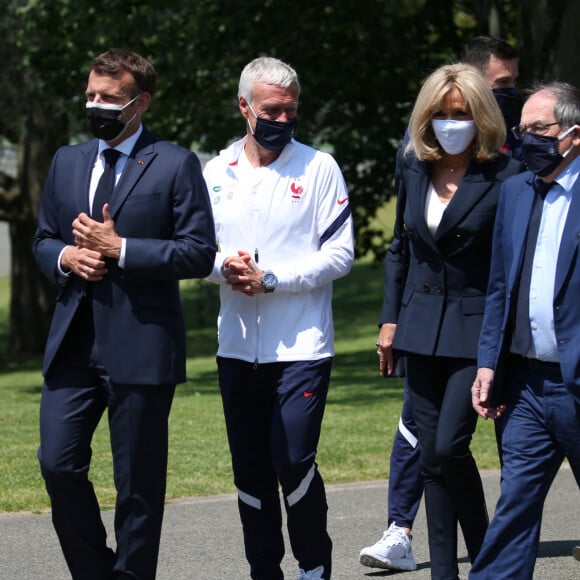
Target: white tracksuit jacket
x: 294, y: 215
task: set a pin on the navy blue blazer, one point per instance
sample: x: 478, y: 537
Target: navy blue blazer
x: 513, y: 215
x: 435, y: 285
x: 161, y: 206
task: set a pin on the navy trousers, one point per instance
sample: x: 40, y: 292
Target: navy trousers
x: 541, y: 426
x: 405, y: 479
x: 273, y: 416
x: 75, y: 394
x: 440, y: 390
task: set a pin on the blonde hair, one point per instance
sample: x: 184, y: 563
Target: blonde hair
x: 479, y: 99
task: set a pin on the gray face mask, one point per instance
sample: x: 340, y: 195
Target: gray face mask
x: 104, y: 119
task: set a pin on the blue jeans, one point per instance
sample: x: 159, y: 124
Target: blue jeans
x: 541, y: 426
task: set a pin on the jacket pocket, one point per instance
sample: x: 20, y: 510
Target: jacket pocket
x: 473, y: 305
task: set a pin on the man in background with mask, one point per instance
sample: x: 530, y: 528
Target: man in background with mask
x: 529, y: 348
x: 284, y: 229
x: 122, y: 219
x: 497, y: 60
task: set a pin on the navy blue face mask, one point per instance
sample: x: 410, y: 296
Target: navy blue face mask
x: 273, y: 135
x: 506, y: 98
x: 541, y: 152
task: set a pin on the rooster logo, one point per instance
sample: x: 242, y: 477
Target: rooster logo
x: 297, y: 191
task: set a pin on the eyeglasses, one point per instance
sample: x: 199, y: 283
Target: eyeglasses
x: 538, y: 128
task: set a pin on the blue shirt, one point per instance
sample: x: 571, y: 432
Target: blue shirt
x: 554, y: 213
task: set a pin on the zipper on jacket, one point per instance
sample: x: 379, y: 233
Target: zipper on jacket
x: 258, y: 320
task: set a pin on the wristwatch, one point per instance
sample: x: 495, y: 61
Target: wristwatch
x: 269, y: 281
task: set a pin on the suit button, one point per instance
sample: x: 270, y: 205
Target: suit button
x: 426, y: 288
x: 439, y: 290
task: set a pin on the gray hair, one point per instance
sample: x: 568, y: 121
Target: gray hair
x: 567, y: 106
x: 268, y: 70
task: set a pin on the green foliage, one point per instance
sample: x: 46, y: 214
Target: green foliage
x: 360, y: 70
x: 359, y: 424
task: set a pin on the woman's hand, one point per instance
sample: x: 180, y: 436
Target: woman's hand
x: 385, y: 348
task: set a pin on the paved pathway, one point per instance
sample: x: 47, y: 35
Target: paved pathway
x: 202, y: 537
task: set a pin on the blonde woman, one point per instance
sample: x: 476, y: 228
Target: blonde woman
x: 437, y: 268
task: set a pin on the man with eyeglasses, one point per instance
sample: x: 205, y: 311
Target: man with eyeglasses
x: 529, y: 349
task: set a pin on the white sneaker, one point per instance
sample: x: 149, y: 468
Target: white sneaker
x: 392, y: 552
x: 315, y: 574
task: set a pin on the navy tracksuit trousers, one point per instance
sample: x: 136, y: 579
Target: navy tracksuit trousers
x: 273, y: 416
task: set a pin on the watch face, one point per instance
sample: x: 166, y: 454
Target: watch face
x: 269, y: 280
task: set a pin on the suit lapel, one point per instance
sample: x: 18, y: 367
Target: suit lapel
x: 570, y: 240
x: 137, y: 164
x: 517, y: 224
x: 472, y: 188
x: 417, y: 185
x: 88, y: 152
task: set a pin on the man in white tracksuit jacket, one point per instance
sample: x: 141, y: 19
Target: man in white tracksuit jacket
x: 284, y: 230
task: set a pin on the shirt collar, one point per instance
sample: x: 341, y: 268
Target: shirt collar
x: 569, y: 175
x: 125, y: 146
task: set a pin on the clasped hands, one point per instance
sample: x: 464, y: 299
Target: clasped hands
x: 242, y: 274
x: 94, y: 241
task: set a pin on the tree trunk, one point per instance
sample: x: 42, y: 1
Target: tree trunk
x: 32, y: 296
x: 541, y: 23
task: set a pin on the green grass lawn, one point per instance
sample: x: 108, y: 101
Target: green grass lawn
x: 360, y: 421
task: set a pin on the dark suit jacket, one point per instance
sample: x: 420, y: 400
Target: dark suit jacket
x: 435, y: 285
x: 513, y: 216
x: 161, y: 207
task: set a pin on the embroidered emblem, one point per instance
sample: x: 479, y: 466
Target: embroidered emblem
x: 297, y: 191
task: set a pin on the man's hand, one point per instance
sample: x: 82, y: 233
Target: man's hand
x: 85, y: 263
x: 97, y: 236
x: 385, y: 349
x: 481, y: 394
x: 242, y: 273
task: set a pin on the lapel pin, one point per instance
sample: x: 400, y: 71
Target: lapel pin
x: 140, y: 161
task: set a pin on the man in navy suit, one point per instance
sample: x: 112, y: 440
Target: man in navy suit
x: 529, y: 349
x: 117, y: 339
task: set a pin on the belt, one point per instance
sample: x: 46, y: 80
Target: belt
x: 535, y: 363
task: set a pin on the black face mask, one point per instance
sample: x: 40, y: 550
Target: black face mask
x: 506, y: 98
x: 104, y: 120
x: 273, y: 135
x: 541, y: 152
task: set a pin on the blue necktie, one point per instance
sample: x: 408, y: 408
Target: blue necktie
x: 106, y: 184
x: 522, y: 337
